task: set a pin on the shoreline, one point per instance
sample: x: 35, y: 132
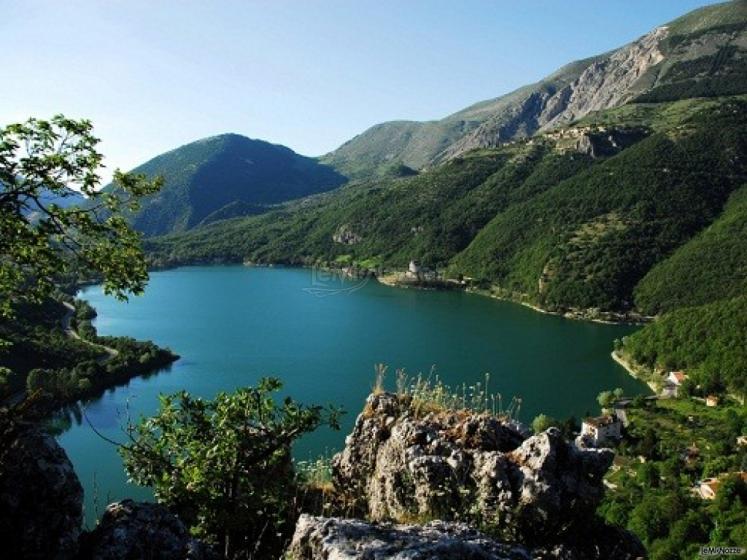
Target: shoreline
x: 631, y: 369
x: 444, y: 285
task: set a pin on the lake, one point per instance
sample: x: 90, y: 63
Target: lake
x: 322, y: 336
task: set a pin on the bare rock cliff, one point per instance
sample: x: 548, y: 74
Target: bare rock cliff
x: 607, y: 82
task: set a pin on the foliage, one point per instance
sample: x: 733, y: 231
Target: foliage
x: 706, y: 341
x: 591, y: 238
x: 430, y: 394
x: 224, y: 465
x: 429, y: 217
x: 542, y: 422
x: 45, y: 359
x: 224, y: 177
x: 40, y: 240
x: 316, y: 474
x: 607, y: 398
x: 709, y: 267
x: 654, y: 498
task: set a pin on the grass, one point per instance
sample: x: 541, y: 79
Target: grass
x: 316, y: 473
x: 429, y: 394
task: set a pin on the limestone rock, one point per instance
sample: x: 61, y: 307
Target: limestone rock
x: 345, y: 235
x: 329, y: 538
x: 608, y: 81
x: 461, y: 466
x: 141, y: 530
x: 41, y: 499
x: 319, y: 538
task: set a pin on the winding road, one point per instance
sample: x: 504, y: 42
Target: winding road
x: 109, y: 352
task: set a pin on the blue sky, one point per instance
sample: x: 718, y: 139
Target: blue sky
x: 309, y: 74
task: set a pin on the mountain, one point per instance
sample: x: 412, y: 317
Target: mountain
x: 226, y: 176
x: 634, y: 209
x: 703, y: 53
x: 573, y: 218
x: 64, y: 199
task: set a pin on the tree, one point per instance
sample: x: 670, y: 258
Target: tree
x: 731, y: 490
x: 36, y: 380
x: 41, y: 164
x: 570, y: 427
x: 542, y: 422
x: 225, y: 465
x: 605, y: 399
x: 648, y: 475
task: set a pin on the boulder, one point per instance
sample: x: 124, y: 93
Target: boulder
x: 400, y: 464
x: 331, y: 538
x: 41, y: 499
x: 141, y: 530
x: 320, y: 538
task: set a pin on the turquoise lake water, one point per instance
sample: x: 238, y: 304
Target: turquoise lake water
x: 322, y: 336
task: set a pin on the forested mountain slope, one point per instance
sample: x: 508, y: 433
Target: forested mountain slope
x: 570, y: 219
x: 709, y: 267
x: 223, y: 177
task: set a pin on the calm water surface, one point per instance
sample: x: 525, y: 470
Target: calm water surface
x: 233, y: 325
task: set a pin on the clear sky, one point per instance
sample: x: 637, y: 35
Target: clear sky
x: 309, y: 74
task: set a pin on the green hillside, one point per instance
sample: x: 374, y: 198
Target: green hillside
x: 529, y: 213
x: 226, y: 176
x: 430, y: 217
x: 707, y: 341
x: 711, y: 266
x: 588, y: 241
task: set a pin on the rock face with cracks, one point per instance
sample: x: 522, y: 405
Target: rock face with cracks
x: 320, y: 538
x: 325, y: 538
x: 400, y: 464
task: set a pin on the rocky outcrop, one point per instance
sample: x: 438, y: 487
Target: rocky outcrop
x: 41, y: 499
x: 402, y: 464
x: 319, y: 538
x: 141, y: 530
x: 324, y: 538
x: 608, y: 81
x: 595, y: 141
x: 345, y: 235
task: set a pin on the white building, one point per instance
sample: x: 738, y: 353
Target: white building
x: 674, y: 381
x: 600, y: 431
x: 677, y: 377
